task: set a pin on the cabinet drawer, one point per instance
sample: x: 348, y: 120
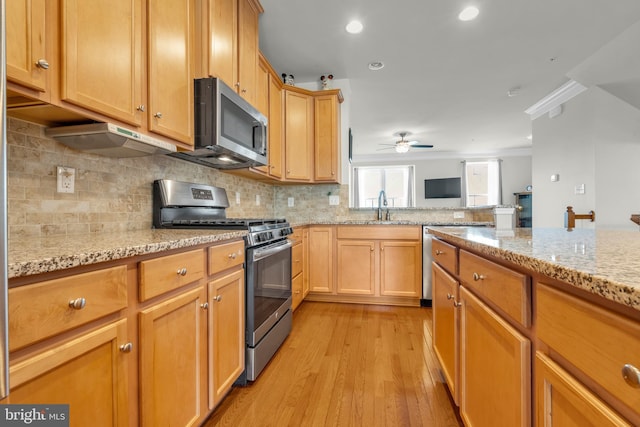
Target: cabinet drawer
x: 163, y: 274
x: 296, y: 260
x: 507, y: 289
x: 45, y: 309
x: 596, y: 341
x: 222, y: 257
x: 444, y: 254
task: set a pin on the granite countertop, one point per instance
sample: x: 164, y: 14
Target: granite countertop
x: 603, y: 262
x: 32, y: 255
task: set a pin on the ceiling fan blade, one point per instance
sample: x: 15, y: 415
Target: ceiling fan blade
x: 386, y: 148
x: 414, y: 142
x: 422, y: 146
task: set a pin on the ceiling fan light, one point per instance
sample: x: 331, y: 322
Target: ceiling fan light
x: 402, y: 148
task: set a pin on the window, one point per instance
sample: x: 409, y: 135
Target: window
x: 482, y: 183
x: 396, y: 181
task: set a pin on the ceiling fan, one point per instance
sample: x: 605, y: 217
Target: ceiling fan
x: 402, y: 146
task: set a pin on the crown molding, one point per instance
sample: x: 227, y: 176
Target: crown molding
x: 555, y: 99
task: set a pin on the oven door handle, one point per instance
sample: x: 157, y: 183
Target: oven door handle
x: 270, y: 250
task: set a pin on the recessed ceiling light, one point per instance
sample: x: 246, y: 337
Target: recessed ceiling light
x: 376, y: 65
x: 469, y: 13
x: 354, y: 27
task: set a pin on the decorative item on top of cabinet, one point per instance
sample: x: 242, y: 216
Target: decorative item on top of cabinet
x: 232, y: 44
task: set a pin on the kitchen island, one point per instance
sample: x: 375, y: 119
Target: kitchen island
x: 548, y: 320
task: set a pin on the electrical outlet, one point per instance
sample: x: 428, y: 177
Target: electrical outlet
x: 290, y: 202
x: 579, y: 189
x: 66, y: 178
x: 237, y: 198
x: 257, y: 200
x: 334, y: 200
x: 458, y: 214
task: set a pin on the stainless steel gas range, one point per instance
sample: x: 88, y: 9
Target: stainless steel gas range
x: 179, y: 204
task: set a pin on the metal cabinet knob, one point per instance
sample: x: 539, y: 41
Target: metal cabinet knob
x: 78, y: 303
x: 449, y: 296
x: 631, y: 375
x: 232, y: 256
x: 477, y: 277
x: 42, y: 63
x: 297, y: 291
x: 140, y: 108
x: 205, y: 305
x: 158, y: 115
x: 243, y: 91
x: 126, y: 348
x: 439, y: 252
x: 217, y: 298
x: 457, y: 304
x: 182, y: 271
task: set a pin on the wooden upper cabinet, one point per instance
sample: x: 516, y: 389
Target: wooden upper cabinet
x: 223, y: 41
x: 248, y: 12
x: 28, y: 61
x: 233, y: 44
x: 101, y: 67
x: 170, y: 29
x: 327, y: 137
x: 276, y: 127
x: 298, y: 136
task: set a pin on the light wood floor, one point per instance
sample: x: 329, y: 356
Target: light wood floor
x: 347, y: 365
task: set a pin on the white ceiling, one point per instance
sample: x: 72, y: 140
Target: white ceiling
x: 444, y: 80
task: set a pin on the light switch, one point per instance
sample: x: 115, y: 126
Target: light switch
x: 334, y: 200
x: 257, y: 200
x: 579, y: 189
x: 237, y: 197
x: 555, y: 177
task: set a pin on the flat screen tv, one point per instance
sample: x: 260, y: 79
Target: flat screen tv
x: 442, y: 188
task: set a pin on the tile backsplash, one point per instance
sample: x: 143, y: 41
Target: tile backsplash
x: 111, y: 195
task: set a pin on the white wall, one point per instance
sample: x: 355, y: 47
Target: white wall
x: 596, y: 142
x: 516, y: 175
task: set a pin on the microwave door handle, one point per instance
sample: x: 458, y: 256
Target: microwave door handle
x: 263, y: 135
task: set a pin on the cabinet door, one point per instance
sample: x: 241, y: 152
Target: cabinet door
x: 400, y: 268
x: 101, y: 56
x: 327, y: 138
x: 89, y: 373
x: 248, y: 12
x: 305, y: 262
x: 27, y: 61
x: 445, y: 326
x: 298, y: 136
x: 562, y: 401
x: 276, y: 135
x: 173, y: 361
x: 296, y: 291
x: 321, y: 252
x: 170, y: 29
x: 495, y: 368
x: 226, y: 336
x: 356, y: 267
x: 223, y: 36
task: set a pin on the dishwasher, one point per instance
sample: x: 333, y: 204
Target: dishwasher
x: 427, y: 287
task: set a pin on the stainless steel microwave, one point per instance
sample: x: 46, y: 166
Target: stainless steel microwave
x: 229, y: 132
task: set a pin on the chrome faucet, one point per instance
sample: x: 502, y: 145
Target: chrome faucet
x: 382, y: 198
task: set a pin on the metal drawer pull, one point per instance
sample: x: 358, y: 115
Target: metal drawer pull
x: 232, y: 256
x: 158, y: 115
x: 439, y: 252
x: 126, y: 348
x: 78, y: 303
x: 217, y: 298
x: 631, y: 375
x: 182, y: 271
x: 42, y: 63
x: 449, y: 296
x: 477, y: 276
x: 205, y: 305
x: 456, y: 304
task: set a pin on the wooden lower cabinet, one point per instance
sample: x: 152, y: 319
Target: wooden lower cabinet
x: 226, y: 333
x: 89, y: 373
x: 357, y: 267
x: 400, y: 268
x: 445, y: 327
x: 495, y: 368
x: 173, y: 361
x: 562, y: 401
x: 321, y: 259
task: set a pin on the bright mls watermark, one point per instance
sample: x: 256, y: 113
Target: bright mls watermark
x: 34, y: 415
